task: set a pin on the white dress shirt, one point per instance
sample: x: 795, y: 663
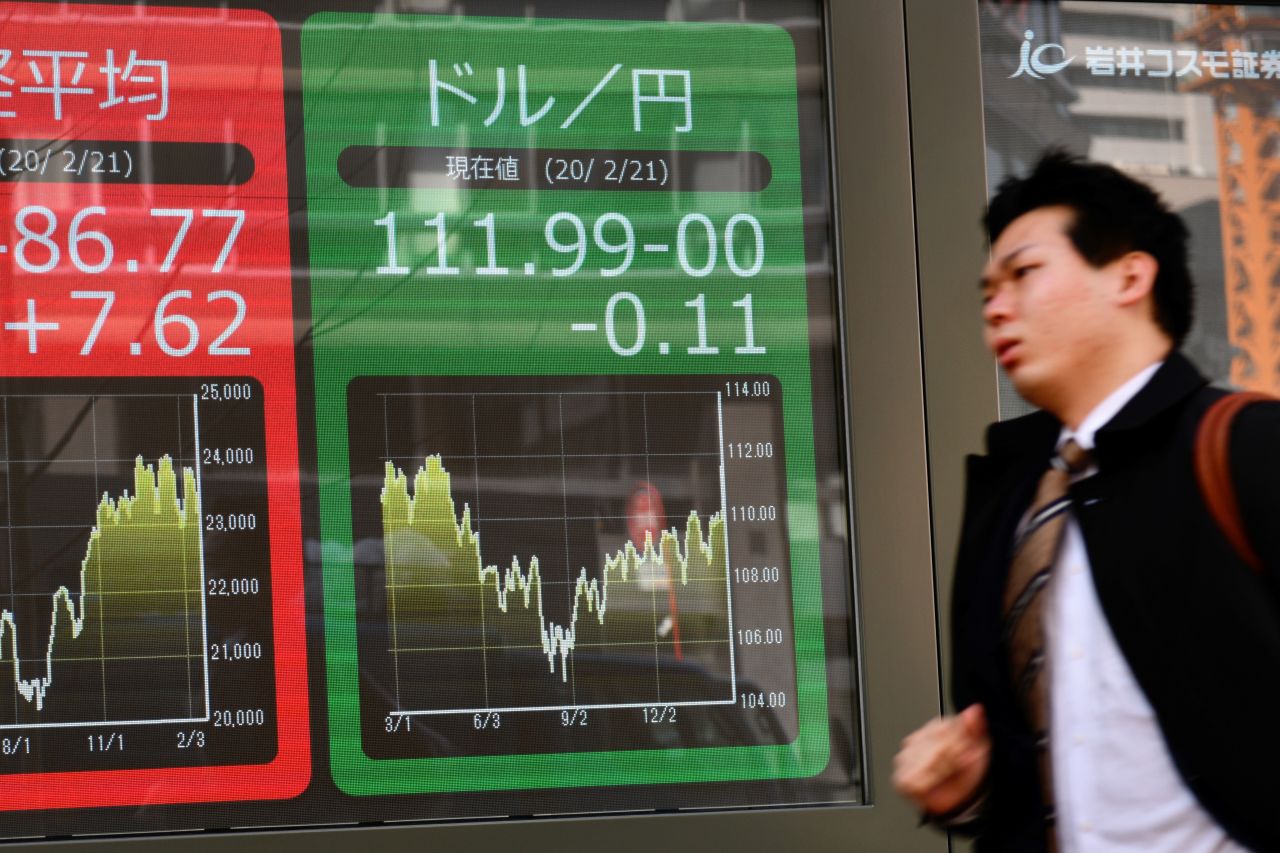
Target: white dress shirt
x: 1115, y: 786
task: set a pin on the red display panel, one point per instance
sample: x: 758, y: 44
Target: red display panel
x: 146, y: 366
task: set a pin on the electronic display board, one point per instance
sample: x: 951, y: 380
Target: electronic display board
x: 545, y: 334
x: 151, y: 635
x: 409, y: 416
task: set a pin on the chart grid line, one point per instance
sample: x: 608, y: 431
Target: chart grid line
x: 454, y: 457
x: 515, y: 709
x: 602, y: 393
x: 564, y: 492
x: 728, y: 558
x: 532, y: 646
x: 204, y: 603
x: 8, y: 505
x: 102, y: 641
x: 653, y: 591
x: 484, y: 628
x: 391, y: 597
x: 186, y: 606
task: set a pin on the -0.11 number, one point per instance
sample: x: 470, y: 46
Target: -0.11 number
x: 632, y: 346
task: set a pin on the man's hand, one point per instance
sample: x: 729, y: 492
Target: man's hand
x: 942, y: 764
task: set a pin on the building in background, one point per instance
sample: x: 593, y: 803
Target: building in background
x: 1132, y: 74
x: 1141, y: 92
x: 1247, y: 144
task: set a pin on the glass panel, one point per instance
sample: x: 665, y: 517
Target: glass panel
x: 1184, y: 97
x: 418, y: 411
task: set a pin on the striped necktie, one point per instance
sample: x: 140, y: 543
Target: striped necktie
x: 1034, y: 553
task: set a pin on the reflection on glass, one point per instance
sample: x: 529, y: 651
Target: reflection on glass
x: 1188, y: 99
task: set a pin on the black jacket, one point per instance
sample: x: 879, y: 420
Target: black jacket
x: 1199, y: 629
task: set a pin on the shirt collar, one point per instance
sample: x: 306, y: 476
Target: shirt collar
x: 1107, y: 409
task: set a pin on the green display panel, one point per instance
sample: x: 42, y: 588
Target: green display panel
x: 565, y: 417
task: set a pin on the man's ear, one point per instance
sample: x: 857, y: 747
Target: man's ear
x: 1137, y: 277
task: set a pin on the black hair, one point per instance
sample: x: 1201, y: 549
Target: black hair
x: 1114, y: 215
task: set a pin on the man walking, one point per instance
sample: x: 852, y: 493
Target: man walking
x: 1116, y: 661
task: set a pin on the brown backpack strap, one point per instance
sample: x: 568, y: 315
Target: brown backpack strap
x: 1213, y: 470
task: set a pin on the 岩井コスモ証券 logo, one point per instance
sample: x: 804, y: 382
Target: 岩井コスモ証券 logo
x: 1031, y: 62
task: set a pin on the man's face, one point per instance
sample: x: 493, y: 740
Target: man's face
x: 1048, y: 314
